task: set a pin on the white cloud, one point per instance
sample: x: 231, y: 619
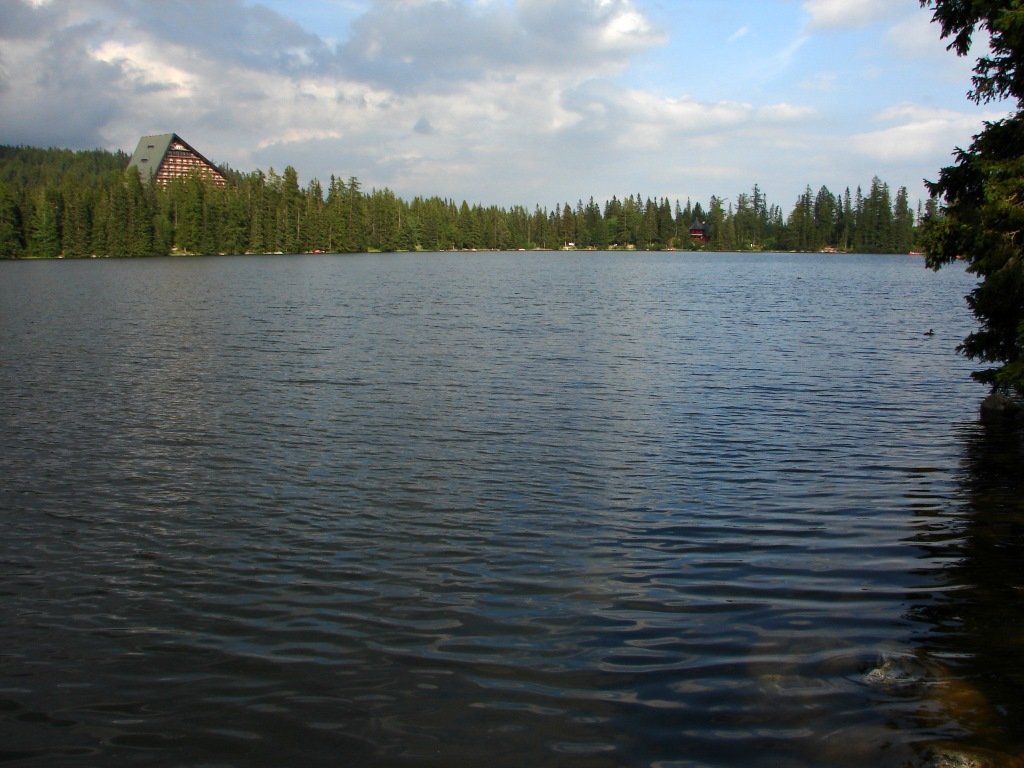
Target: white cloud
x: 826, y: 14
x: 497, y: 101
x: 916, y: 36
x: 919, y: 132
x: 785, y: 113
x: 625, y: 29
x: 409, y: 46
x: 295, y: 135
x: 823, y: 82
x: 526, y: 98
x: 139, y: 62
x: 739, y: 34
x: 782, y: 60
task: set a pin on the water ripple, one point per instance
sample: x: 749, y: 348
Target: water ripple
x: 650, y: 510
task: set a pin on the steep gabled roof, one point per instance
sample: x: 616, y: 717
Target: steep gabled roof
x: 151, y: 159
x: 150, y: 153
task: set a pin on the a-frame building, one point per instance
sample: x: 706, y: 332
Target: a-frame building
x: 166, y: 156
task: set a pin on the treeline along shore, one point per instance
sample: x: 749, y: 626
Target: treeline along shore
x: 74, y: 204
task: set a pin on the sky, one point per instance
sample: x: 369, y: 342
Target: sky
x: 504, y: 102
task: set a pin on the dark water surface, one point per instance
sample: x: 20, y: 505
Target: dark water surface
x: 501, y: 509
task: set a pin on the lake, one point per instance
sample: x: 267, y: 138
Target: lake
x: 514, y: 509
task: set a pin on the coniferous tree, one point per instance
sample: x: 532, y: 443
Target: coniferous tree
x: 10, y: 224
x: 614, y: 221
x: 539, y: 230
x: 876, y: 222
x: 745, y: 224
x: 846, y: 236
x: 859, y: 228
x: 76, y: 222
x: 903, y: 223
x: 313, y: 217
x: 190, y: 209
x: 801, y: 226
x: 982, y: 217
x: 335, y: 221
x: 760, y: 221
x: 719, y: 236
x: 290, y: 214
x: 234, y: 229
x: 667, y: 234
x: 100, y: 223
x: 44, y: 233
x: 355, y: 215
x: 647, y: 222
x: 138, y: 223
x: 116, y: 214
x: 594, y: 225
x: 825, y: 216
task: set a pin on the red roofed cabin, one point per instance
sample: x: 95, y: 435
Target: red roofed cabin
x: 699, y: 232
x: 166, y: 156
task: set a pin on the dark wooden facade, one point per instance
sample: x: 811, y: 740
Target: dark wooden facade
x: 165, y: 157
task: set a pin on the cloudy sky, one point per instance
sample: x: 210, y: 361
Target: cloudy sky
x: 503, y: 101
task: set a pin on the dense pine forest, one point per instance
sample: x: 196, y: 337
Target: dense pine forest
x: 56, y: 202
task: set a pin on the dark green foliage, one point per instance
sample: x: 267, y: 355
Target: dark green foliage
x: 874, y: 230
x: 801, y: 232
x: 76, y: 224
x: 981, y: 222
x: 94, y: 207
x: 30, y: 167
x: 11, y: 228
x: 996, y: 76
x: 43, y: 236
x: 982, y: 217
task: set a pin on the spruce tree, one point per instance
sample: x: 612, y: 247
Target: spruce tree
x: 982, y: 217
x: 44, y: 234
x: 10, y: 224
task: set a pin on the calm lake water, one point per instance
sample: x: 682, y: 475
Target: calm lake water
x: 517, y: 509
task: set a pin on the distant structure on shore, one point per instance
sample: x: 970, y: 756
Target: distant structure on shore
x: 166, y: 156
x: 699, y: 232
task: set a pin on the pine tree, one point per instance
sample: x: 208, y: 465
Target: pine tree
x: 10, y: 224
x: 76, y: 224
x: 982, y: 217
x: 614, y: 221
x: 745, y: 223
x: 540, y: 233
x: 313, y: 216
x: 139, y: 219
x: 801, y: 228
x: 594, y: 224
x: 666, y: 224
x: 355, y: 217
x: 290, y: 233
x: 877, y: 219
x: 100, y: 223
x: 903, y: 222
x: 825, y: 216
x: 718, y: 237
x: 846, y: 236
x: 44, y: 232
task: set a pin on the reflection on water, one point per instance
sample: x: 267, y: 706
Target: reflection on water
x: 522, y: 509
x: 974, y: 643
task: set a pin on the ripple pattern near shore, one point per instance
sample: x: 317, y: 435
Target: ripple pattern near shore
x: 438, y: 509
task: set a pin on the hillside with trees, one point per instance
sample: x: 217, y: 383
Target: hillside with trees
x: 56, y: 202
